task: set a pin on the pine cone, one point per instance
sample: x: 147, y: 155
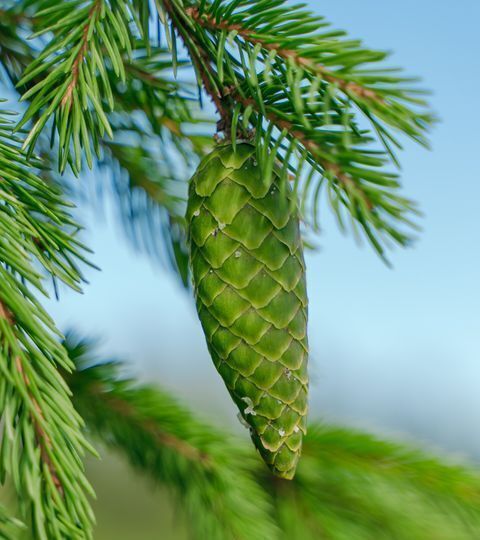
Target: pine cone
x: 249, y: 279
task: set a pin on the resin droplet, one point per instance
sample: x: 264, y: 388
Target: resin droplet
x: 249, y: 408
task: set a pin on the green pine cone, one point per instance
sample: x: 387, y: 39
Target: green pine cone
x: 249, y: 279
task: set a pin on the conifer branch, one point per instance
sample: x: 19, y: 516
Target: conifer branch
x: 201, y: 62
x: 442, y: 481
x: 349, y: 484
x: 70, y: 74
x: 148, y: 185
x: 108, y: 400
x: 301, y: 87
x: 15, y: 51
x: 37, y: 417
x: 144, y: 186
x: 209, y: 22
x: 93, y: 13
x: 40, y: 433
x: 286, y: 126
x: 204, y: 468
x: 43, y: 440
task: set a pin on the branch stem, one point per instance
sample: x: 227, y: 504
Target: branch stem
x: 43, y: 440
x: 122, y: 407
x: 201, y: 61
x: 210, y: 23
x: 67, y: 98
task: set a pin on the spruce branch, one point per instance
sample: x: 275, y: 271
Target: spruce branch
x: 40, y: 438
x: 303, y: 89
x: 70, y: 73
x: 215, y: 24
x: 200, y: 60
x: 169, y: 107
x: 353, y: 485
x: 93, y: 13
x: 349, y: 484
x: 206, y: 471
x: 154, y: 110
x: 280, y: 71
x: 159, y: 135
x: 444, y: 483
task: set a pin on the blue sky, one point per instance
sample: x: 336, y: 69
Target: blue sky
x: 393, y: 350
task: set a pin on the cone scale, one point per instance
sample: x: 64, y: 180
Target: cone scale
x: 249, y: 280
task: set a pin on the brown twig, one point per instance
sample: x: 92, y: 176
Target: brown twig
x: 43, y: 440
x: 5, y: 313
x: 210, y: 23
x: 123, y: 408
x: 66, y: 99
x: 201, y: 61
x: 221, y: 97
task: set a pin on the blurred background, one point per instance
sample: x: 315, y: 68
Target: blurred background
x: 394, y: 351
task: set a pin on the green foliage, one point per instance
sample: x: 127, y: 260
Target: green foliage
x: 323, y: 103
x: 349, y: 485
x: 15, y: 51
x: 149, y: 160
x: 353, y: 485
x: 306, y: 91
x: 204, y: 468
x: 159, y: 134
x: 71, y: 70
x: 151, y: 110
x: 169, y: 107
x: 316, y: 101
x: 41, y: 439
